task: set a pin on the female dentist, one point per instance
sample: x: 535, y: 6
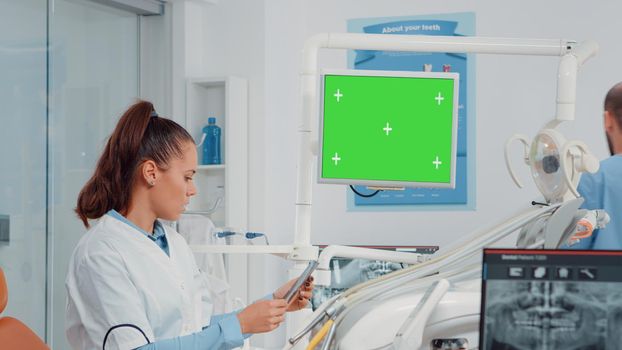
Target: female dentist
x: 132, y: 282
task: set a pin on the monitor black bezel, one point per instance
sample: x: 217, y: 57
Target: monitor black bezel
x: 487, y: 251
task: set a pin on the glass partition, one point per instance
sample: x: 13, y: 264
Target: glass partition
x: 68, y: 69
x: 93, y: 72
x: 23, y: 39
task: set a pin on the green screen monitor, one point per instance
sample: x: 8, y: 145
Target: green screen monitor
x: 388, y: 128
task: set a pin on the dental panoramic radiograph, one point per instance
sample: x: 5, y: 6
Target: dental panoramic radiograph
x: 349, y: 272
x: 545, y: 315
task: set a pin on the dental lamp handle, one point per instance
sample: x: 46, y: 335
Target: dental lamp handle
x: 523, y: 139
x: 592, y: 220
x: 587, y: 162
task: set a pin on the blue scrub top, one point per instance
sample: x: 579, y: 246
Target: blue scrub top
x: 603, y: 190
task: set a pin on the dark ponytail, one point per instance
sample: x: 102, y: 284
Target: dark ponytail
x: 139, y: 135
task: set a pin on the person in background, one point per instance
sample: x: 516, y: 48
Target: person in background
x: 133, y: 283
x: 603, y: 190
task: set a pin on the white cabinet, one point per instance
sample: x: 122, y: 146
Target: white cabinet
x: 226, y: 100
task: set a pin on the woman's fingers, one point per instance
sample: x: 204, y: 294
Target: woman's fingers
x: 262, y: 316
x: 278, y: 319
x: 278, y: 303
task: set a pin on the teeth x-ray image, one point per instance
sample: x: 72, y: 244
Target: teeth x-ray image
x: 346, y: 273
x: 546, y: 315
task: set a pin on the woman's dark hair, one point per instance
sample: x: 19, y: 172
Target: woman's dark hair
x: 139, y: 135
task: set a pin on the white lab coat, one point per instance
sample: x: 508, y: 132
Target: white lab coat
x: 118, y: 276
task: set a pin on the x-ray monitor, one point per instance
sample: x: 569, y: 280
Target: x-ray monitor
x: 551, y: 299
x: 388, y: 128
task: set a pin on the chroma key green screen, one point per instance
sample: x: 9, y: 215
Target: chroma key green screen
x: 389, y: 128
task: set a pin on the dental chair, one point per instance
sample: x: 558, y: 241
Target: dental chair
x: 13, y: 333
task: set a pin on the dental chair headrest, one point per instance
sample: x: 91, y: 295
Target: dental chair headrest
x: 4, y: 292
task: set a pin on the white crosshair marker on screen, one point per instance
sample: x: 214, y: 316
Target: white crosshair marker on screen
x: 439, y: 98
x: 437, y: 162
x: 387, y: 129
x: 338, y: 94
x: 336, y: 158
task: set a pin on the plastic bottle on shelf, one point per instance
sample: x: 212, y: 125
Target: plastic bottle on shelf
x: 211, y: 144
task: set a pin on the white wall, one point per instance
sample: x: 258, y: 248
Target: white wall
x: 513, y: 94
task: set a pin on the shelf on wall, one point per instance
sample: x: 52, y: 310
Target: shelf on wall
x: 211, y: 167
x: 208, y: 81
x: 226, y: 99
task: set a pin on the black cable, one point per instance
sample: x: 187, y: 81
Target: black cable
x: 364, y: 195
x: 538, y: 203
x: 124, y: 325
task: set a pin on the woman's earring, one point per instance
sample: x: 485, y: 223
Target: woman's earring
x: 151, y: 183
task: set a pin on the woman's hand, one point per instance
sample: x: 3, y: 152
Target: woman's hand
x: 262, y: 316
x: 301, y: 299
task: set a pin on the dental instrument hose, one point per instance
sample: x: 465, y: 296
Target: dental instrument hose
x: 318, y: 337
x: 483, y: 239
x: 447, y: 255
x: 329, y: 337
x: 451, y: 256
x: 406, y: 287
x: 350, y: 299
x: 377, y: 290
x: 326, y: 310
